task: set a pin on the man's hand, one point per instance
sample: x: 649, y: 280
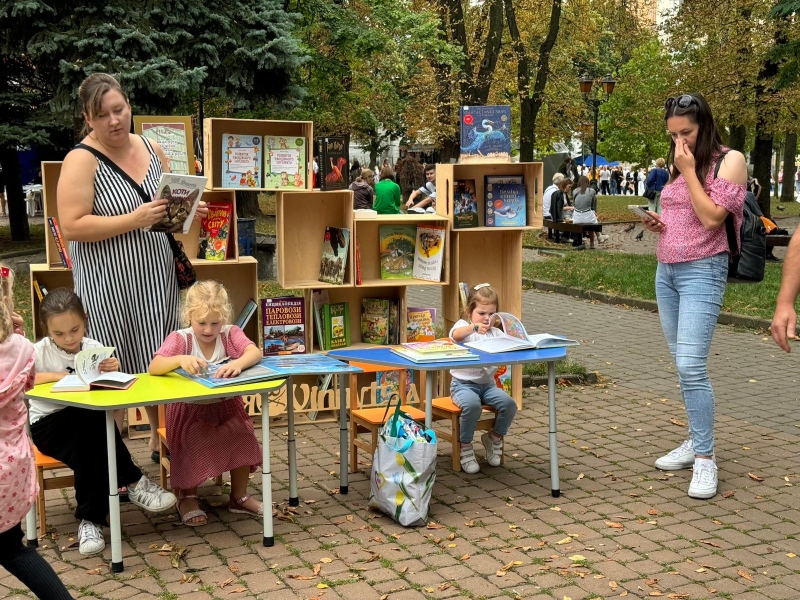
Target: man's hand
x: 783, y: 326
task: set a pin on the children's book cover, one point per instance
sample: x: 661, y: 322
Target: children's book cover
x: 505, y: 205
x: 397, y: 250
x: 429, y: 253
x: 375, y: 321
x: 215, y: 231
x: 421, y: 324
x: 284, y: 323
x: 485, y: 134
x: 388, y: 383
x: 489, y: 179
x: 334, y: 255
x: 336, y: 318
x: 320, y: 298
x: 502, y: 378
x: 394, y: 321
x: 465, y: 204
x: 285, y: 162
x: 183, y: 194
x: 241, y: 160
x: 334, y: 162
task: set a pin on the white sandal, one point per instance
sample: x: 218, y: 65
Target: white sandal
x: 186, y: 518
x: 468, y: 462
x: 237, y: 506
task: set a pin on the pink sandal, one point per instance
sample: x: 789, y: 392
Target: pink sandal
x: 237, y: 506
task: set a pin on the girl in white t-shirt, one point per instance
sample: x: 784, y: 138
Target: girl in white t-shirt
x: 76, y: 436
x: 472, y: 388
x: 209, y: 438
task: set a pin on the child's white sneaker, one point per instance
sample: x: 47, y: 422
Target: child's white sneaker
x: 90, y: 538
x: 468, y: 462
x: 494, y: 449
x: 151, y: 497
x: 704, y: 479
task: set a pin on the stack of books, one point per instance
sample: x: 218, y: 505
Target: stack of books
x: 436, y: 351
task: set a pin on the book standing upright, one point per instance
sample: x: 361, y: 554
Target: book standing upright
x: 285, y: 162
x: 241, y: 160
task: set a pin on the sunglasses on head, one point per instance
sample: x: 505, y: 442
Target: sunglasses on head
x: 683, y: 101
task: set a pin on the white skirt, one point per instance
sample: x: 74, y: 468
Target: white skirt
x: 587, y: 216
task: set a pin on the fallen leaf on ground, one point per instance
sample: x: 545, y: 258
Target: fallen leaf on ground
x: 615, y: 525
x: 710, y: 543
x: 465, y: 557
x: 433, y: 525
x: 755, y: 477
x: 325, y: 560
x: 746, y: 575
x: 729, y: 494
x: 322, y: 586
x: 652, y: 511
x: 677, y: 422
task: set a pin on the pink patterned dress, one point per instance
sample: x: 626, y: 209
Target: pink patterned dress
x: 18, y: 487
x: 206, y: 440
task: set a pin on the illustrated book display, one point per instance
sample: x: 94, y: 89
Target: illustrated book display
x: 397, y: 250
x: 505, y: 205
x: 429, y: 253
x: 436, y: 351
x: 485, y: 134
x: 174, y: 140
x: 241, y: 160
x: 465, y: 204
x: 420, y: 324
x: 183, y: 194
x: 87, y: 373
x: 334, y: 255
x: 285, y: 162
x: 514, y: 337
x: 336, y: 325
x: 284, y: 325
x: 215, y: 231
x: 387, y: 383
x: 333, y: 161
x: 58, y: 240
x: 375, y: 321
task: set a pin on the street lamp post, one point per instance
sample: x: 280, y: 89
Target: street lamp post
x: 586, y: 83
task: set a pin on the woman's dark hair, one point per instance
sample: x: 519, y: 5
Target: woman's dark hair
x: 59, y: 301
x: 583, y: 182
x: 709, y: 143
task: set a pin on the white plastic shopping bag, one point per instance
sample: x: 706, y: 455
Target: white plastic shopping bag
x: 403, y: 470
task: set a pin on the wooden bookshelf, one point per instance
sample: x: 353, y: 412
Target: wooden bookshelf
x: 533, y: 174
x: 300, y: 229
x: 51, y: 171
x: 367, y: 232
x: 214, y: 128
x: 240, y: 279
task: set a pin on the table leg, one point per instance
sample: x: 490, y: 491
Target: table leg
x: 555, y: 486
x: 294, y: 500
x: 429, y: 398
x: 30, y: 528
x: 113, y: 494
x: 344, y: 439
x: 266, y: 470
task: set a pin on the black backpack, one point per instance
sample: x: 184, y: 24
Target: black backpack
x: 746, y: 264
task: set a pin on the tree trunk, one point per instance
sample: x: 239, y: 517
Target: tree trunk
x: 523, y: 85
x: 449, y: 146
x: 479, y: 93
x: 15, y: 197
x: 776, y: 168
x: 789, y: 152
x: 737, y: 138
x: 247, y: 204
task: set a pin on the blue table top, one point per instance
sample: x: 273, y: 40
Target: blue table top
x: 384, y: 356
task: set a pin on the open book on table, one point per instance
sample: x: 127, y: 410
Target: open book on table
x: 514, y: 337
x: 87, y: 373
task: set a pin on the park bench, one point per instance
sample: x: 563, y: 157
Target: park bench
x: 778, y: 240
x: 581, y: 228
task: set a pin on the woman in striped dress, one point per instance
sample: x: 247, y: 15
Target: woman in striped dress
x: 124, y: 275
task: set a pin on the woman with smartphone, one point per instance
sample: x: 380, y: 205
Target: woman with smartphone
x: 706, y: 183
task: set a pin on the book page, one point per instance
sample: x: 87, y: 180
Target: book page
x: 510, y: 325
x: 87, y: 363
x: 69, y: 383
x: 113, y: 377
x: 499, y: 344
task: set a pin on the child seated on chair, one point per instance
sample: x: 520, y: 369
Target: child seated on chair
x: 209, y: 437
x: 471, y: 388
x: 76, y: 436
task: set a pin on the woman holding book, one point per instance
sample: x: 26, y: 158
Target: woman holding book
x: 124, y: 274
x: 706, y: 184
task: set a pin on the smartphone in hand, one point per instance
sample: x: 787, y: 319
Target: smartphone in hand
x: 642, y: 212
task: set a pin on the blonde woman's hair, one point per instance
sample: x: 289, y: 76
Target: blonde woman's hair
x: 91, y: 93
x: 365, y: 174
x: 558, y: 177
x: 205, y: 298
x: 660, y: 163
x: 482, y: 293
x: 6, y: 303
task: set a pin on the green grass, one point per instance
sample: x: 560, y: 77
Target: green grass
x: 266, y: 224
x: 35, y: 243
x: 633, y: 275
x: 567, y: 366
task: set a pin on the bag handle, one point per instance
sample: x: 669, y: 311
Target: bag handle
x: 173, y: 243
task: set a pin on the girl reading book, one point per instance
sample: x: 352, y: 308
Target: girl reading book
x: 18, y: 486
x: 208, y: 438
x: 472, y: 388
x: 54, y: 427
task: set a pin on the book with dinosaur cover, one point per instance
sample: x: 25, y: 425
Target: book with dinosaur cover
x: 334, y: 255
x: 336, y: 319
x: 465, y: 205
x: 241, y: 160
x: 375, y: 321
x: 397, y: 250
x: 485, y: 134
x: 215, y: 231
x: 284, y: 323
x: 514, y: 337
x: 60, y: 245
x: 420, y: 324
x: 505, y: 205
x: 285, y: 162
x: 429, y: 253
x: 334, y: 162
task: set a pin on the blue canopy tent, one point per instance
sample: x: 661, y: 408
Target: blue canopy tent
x: 601, y: 161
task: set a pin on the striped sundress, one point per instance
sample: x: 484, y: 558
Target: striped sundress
x: 127, y: 282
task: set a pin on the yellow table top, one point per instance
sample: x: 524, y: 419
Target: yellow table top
x: 149, y: 390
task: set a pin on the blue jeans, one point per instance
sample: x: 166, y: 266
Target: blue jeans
x: 469, y: 397
x: 614, y: 189
x: 689, y: 300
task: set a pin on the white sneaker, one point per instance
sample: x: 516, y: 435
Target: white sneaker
x: 430, y: 209
x: 468, y: 462
x: 90, y: 538
x: 151, y: 497
x: 680, y: 458
x: 414, y: 209
x: 704, y: 479
x: 602, y: 238
x: 494, y: 449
